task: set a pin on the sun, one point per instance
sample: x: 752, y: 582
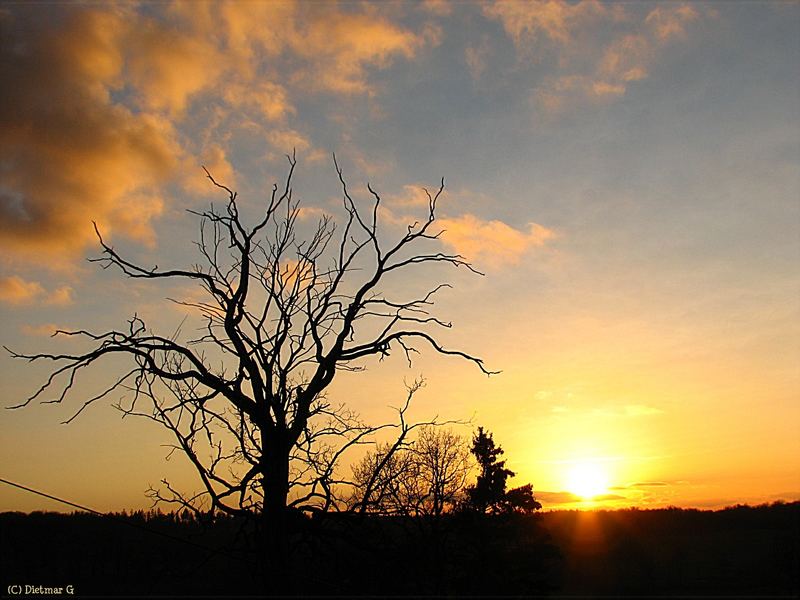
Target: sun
x: 587, y: 480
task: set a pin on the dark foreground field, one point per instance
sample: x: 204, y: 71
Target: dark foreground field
x: 737, y: 551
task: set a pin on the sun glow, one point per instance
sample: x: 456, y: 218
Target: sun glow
x: 587, y: 480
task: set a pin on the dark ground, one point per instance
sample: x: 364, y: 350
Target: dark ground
x: 742, y: 551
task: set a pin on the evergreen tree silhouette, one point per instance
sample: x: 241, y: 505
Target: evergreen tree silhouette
x: 488, y: 493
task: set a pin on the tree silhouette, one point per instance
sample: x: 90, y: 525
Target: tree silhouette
x: 282, y: 314
x: 423, y: 477
x: 521, y: 500
x: 489, y: 492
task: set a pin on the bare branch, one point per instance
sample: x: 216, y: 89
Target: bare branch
x: 280, y: 314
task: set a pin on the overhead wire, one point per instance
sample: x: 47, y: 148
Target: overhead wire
x: 121, y: 520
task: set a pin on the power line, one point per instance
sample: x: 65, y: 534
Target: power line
x: 27, y: 489
x: 119, y: 520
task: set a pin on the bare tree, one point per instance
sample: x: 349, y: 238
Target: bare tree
x: 445, y: 460
x: 282, y: 314
x: 422, y: 477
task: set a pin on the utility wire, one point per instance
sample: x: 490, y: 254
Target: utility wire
x: 27, y: 489
x: 119, y: 520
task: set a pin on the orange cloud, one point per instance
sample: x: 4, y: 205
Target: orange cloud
x: 15, y: 290
x: 269, y: 99
x: 61, y: 296
x: 626, y: 58
x: 493, y: 243
x: 286, y: 140
x: 214, y: 159
x: 95, y: 121
x: 166, y: 65
x: 46, y: 329
x: 69, y: 153
x: 669, y: 20
x: 412, y: 196
x: 307, y: 213
x: 332, y: 49
x: 339, y: 48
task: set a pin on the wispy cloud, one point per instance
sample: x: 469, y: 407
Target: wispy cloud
x: 412, y: 196
x: 477, y: 57
x: 61, y: 296
x: 493, y: 242
x: 44, y: 330
x: 641, y: 410
x: 438, y: 7
x: 15, y: 290
x: 589, y: 65
x: 527, y: 22
x: 627, y: 58
x: 332, y: 48
x: 649, y: 484
x: 627, y: 411
x: 557, y: 497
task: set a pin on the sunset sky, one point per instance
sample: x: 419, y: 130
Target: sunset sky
x: 626, y: 175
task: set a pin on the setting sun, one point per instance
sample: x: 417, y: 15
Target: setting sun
x: 587, y: 480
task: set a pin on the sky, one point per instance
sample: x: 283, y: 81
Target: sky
x: 626, y: 175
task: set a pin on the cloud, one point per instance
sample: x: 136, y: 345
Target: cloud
x: 669, y: 20
x: 493, y: 243
x: 526, y: 22
x: 61, y: 296
x: 104, y: 101
x: 215, y: 160
x: 331, y: 49
x: 441, y: 8
x: 625, y: 58
x: 15, y: 290
x: 307, y: 213
x: 557, y: 497
x: 608, y: 497
x: 167, y: 65
x: 46, y: 329
x: 286, y: 140
x: 269, y: 99
x: 339, y: 48
x: 599, y: 49
x: 569, y: 498
x: 68, y: 152
x: 413, y: 196
x: 649, y: 484
x: 640, y: 410
x: 629, y: 411
x: 476, y: 58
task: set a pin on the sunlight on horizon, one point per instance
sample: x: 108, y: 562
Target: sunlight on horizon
x: 587, y: 479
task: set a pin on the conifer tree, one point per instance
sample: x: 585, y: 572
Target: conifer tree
x: 489, y: 492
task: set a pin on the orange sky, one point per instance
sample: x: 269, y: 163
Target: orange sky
x: 626, y: 175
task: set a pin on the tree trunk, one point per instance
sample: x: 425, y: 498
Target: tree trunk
x: 273, y: 528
